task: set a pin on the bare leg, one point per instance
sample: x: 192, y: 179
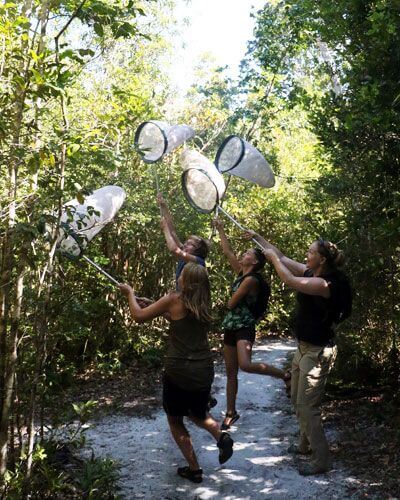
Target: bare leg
x: 183, y: 440
x: 224, y: 440
x: 244, y: 352
x: 209, y: 424
x: 231, y: 364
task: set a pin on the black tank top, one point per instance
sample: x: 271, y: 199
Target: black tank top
x: 315, y: 314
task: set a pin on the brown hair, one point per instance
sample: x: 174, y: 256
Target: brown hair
x: 334, y: 257
x: 202, y: 246
x: 195, y: 293
x: 261, y: 259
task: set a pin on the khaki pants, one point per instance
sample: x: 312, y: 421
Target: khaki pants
x: 310, y: 368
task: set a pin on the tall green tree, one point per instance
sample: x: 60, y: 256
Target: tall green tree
x: 47, y: 47
x: 339, y: 62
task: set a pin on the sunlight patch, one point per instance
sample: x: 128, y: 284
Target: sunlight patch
x: 269, y: 461
x: 205, y: 493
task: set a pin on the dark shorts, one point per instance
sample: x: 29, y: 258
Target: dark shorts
x: 179, y: 402
x: 232, y: 336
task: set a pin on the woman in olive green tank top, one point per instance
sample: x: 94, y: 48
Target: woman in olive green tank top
x: 189, y: 368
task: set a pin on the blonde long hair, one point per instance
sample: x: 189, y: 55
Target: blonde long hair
x: 195, y: 292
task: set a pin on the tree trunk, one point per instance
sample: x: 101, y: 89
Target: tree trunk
x: 10, y: 373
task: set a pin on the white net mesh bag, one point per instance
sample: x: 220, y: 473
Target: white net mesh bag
x: 202, y: 184
x: 81, y: 222
x: 237, y: 157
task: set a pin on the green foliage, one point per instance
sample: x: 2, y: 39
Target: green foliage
x: 98, y: 478
x: 58, y: 469
x: 92, y: 478
x: 337, y: 61
x: 319, y: 97
x: 75, y: 81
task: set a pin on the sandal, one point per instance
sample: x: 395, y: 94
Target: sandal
x: 196, y: 476
x: 232, y: 417
x: 287, y: 378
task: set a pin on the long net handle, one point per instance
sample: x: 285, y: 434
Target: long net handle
x: 113, y: 280
x: 239, y: 225
x: 155, y: 175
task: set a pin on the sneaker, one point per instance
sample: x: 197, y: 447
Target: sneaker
x: 294, y: 448
x: 196, y: 476
x: 225, y: 445
x: 311, y: 469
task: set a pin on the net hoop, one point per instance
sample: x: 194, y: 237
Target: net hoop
x: 221, y: 149
x: 189, y: 198
x: 237, y: 157
x: 139, y: 130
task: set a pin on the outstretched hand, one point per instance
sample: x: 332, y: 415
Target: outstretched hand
x: 125, y: 289
x: 160, y: 200
x: 217, y: 223
x: 249, y: 234
x: 269, y: 254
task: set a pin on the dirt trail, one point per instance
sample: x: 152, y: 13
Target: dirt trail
x: 260, y: 466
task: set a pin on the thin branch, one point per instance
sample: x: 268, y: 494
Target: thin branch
x: 74, y: 15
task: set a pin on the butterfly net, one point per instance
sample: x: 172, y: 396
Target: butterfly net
x: 202, y: 184
x: 238, y: 157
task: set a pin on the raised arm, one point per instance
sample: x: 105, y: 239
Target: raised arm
x: 159, y: 308
x: 170, y: 227
x: 177, y: 251
x: 226, y: 248
x: 297, y: 268
x: 310, y: 286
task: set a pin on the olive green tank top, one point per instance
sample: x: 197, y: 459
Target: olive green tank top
x: 188, y: 361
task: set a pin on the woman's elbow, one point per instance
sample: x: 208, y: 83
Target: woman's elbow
x: 137, y: 318
x: 293, y: 283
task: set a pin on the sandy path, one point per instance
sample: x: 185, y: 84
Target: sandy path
x: 260, y: 466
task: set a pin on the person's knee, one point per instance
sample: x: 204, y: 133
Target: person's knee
x: 306, y: 411
x: 245, y: 367
x: 231, y: 374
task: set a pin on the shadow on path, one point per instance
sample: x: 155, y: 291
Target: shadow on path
x: 260, y: 466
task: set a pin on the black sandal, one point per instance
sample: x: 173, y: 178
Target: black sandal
x: 196, y: 476
x: 232, y: 419
x: 287, y: 378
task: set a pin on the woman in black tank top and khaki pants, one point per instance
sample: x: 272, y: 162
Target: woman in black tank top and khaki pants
x: 317, y: 284
x: 189, y: 370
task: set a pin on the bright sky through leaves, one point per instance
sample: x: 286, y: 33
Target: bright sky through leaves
x: 218, y: 27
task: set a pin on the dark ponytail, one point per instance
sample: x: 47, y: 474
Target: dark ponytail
x: 335, y: 258
x: 261, y: 259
